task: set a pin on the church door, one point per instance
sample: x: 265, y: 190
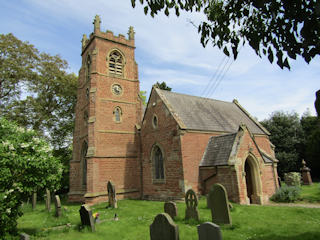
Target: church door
x: 249, y: 181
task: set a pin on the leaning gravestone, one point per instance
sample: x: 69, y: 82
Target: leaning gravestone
x: 171, y: 209
x: 209, y: 231
x: 163, y: 228
x: 34, y: 200
x: 218, y: 201
x: 192, y: 205
x: 86, y: 217
x: 112, y: 195
x: 57, y: 204
x: 48, y: 200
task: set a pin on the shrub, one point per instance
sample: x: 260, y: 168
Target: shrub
x: 292, y: 179
x: 26, y: 165
x: 286, y: 194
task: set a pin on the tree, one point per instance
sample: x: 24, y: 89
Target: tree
x: 311, y: 143
x: 17, y: 61
x: 49, y: 93
x: 274, y: 28
x: 143, y: 97
x: 26, y: 165
x: 317, y: 103
x: 163, y: 86
x: 286, y: 134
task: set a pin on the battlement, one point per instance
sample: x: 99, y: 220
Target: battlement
x: 108, y: 35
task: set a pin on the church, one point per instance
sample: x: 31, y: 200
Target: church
x: 159, y: 151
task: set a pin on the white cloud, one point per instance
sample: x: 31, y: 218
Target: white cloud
x: 168, y: 49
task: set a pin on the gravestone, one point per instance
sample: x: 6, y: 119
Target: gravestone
x: 209, y: 231
x: 34, y: 200
x: 24, y: 236
x: 86, y: 217
x: 57, y: 204
x: 48, y: 200
x: 163, y: 228
x: 219, y: 204
x: 171, y: 209
x: 112, y: 195
x: 192, y: 205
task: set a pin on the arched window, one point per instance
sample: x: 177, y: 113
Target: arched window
x: 88, y: 68
x: 84, y: 151
x: 115, y: 63
x: 117, y: 113
x: 158, y: 163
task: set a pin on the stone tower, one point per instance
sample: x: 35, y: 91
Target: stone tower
x: 108, y: 111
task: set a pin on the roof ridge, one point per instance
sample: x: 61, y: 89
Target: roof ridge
x: 203, y: 98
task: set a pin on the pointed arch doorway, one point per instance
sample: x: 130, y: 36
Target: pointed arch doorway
x: 253, y: 181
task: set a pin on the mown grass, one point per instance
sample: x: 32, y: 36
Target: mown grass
x: 135, y: 216
x: 311, y: 193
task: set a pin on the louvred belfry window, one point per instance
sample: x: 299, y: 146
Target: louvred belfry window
x: 115, y: 63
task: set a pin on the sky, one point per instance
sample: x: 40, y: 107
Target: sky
x: 167, y: 49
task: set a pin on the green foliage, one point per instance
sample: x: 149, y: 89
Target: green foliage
x: 38, y: 93
x: 26, y: 165
x: 143, y: 97
x: 317, y: 103
x: 286, y: 134
x: 286, y: 194
x: 163, y: 86
x: 276, y: 29
x: 292, y: 179
x: 17, y: 61
x: 311, y: 143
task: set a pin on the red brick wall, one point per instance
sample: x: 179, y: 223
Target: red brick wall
x: 165, y: 135
x: 193, y: 146
x: 225, y: 175
x: 113, y: 147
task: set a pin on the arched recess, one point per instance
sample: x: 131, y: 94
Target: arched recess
x: 252, y: 180
x: 115, y: 62
x: 158, y: 163
x: 84, y: 151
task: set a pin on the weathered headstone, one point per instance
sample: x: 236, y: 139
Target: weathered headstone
x: 112, y: 195
x: 209, y: 231
x: 57, y: 204
x: 86, y: 217
x: 34, y: 200
x: 171, y: 209
x: 219, y: 204
x: 163, y: 227
x: 192, y: 205
x: 48, y: 200
x: 24, y: 236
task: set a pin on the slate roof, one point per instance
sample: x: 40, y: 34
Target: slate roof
x: 197, y: 113
x: 218, y: 150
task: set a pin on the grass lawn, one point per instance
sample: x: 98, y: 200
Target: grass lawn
x: 311, y: 193
x: 135, y: 216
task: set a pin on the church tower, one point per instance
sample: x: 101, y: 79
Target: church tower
x: 108, y: 111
